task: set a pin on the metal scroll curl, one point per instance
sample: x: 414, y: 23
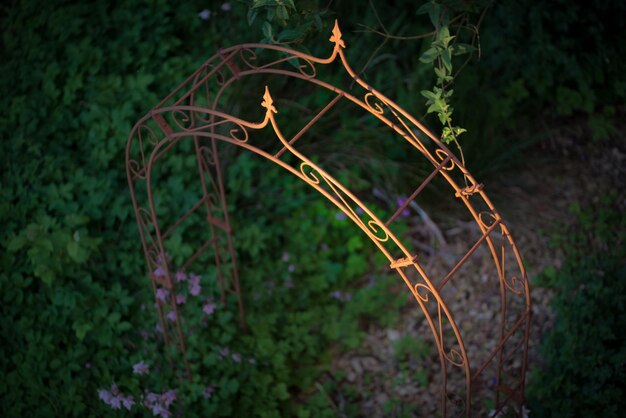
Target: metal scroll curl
x: 313, y: 175
x: 453, y: 356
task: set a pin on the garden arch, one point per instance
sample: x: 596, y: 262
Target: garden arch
x: 191, y: 112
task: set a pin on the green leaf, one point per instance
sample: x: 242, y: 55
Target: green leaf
x: 460, y: 49
x: 252, y: 15
x: 77, y: 252
x: 81, y: 329
x: 16, y: 243
x: 446, y: 59
x: 429, y: 56
x: 267, y: 31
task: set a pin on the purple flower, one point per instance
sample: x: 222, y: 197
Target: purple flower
x: 359, y: 211
x: 104, y: 395
x: 171, y: 316
x: 251, y: 360
x: 141, y: 368
x: 209, y: 307
x: 180, y: 299
x: 159, y: 272
x: 195, y: 290
x: 324, y: 247
x: 285, y: 256
x: 116, y: 402
x: 204, y: 15
x: 208, y: 391
x: 180, y: 276
x: 236, y: 357
x: 162, y: 294
x: 87, y: 365
x: 291, y: 268
x: 194, y: 284
x: 226, y: 7
x: 401, y: 201
x: 336, y: 295
x: 168, y: 398
x: 128, y: 402
x: 341, y: 216
x: 224, y: 352
x: 150, y: 399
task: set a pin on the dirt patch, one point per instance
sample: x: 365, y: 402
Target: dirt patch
x: 534, y: 200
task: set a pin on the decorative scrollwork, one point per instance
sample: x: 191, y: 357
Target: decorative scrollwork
x: 374, y: 103
x: 239, y: 133
x: 491, y: 219
x: 442, y: 156
x: 182, y: 119
x: 252, y: 57
x: 136, y: 169
x: 309, y: 173
x: 454, y: 357
x: 309, y: 65
x: 515, y: 285
x: 423, y: 297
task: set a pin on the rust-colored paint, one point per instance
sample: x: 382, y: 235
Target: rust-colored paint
x: 179, y: 117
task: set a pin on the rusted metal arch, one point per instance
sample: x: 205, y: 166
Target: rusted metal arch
x: 376, y: 103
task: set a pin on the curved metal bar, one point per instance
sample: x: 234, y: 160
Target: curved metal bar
x: 187, y: 120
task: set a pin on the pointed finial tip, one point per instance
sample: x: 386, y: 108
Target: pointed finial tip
x: 336, y: 37
x: 268, y: 102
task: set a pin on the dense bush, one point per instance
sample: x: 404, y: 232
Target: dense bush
x: 76, y: 311
x: 585, y: 353
x: 74, y: 79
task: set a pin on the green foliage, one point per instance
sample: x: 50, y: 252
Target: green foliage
x: 585, y: 353
x: 443, y: 47
x: 76, y: 305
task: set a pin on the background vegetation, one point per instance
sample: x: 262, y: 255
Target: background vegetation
x: 75, y: 303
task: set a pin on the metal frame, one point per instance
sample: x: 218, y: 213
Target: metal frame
x: 191, y: 113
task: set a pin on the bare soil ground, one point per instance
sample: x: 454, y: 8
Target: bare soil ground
x: 533, y: 200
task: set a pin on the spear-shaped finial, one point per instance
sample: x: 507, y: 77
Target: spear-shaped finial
x: 336, y: 38
x: 267, y: 102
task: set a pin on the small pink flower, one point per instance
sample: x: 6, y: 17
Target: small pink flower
x: 236, y: 357
x: 180, y: 299
x: 291, y: 268
x: 159, y: 272
x: 285, y: 257
x: 224, y: 352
